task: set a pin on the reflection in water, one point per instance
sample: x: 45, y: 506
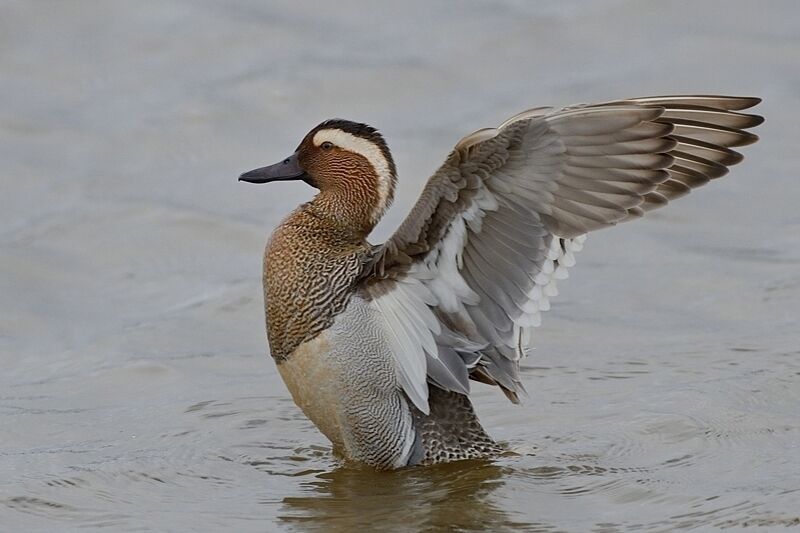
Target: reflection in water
x: 451, y: 496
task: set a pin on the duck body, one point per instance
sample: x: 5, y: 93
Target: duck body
x: 378, y: 344
x: 333, y: 354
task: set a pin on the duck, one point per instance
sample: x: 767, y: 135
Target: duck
x: 378, y: 344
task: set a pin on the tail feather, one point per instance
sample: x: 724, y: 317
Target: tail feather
x: 450, y: 432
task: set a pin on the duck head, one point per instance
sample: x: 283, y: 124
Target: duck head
x: 348, y: 162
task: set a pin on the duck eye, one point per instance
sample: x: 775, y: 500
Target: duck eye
x: 326, y: 145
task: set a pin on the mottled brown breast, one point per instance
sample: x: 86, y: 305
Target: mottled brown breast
x: 310, y: 268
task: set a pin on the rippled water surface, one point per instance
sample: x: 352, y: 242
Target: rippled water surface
x: 135, y: 389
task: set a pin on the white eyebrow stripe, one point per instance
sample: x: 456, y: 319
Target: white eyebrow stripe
x: 369, y: 151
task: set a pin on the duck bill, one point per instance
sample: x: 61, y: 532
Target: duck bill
x: 287, y: 170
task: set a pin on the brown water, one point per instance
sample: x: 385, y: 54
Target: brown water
x: 135, y: 393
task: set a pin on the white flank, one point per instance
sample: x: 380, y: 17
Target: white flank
x: 369, y: 151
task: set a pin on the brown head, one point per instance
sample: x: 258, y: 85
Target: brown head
x: 351, y: 166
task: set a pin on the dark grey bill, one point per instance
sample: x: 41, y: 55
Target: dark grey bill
x: 287, y: 170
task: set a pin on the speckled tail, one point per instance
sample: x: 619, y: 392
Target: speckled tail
x: 451, y: 431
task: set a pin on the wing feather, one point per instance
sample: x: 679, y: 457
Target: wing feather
x: 469, y: 272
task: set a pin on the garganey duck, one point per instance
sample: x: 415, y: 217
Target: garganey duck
x: 378, y: 344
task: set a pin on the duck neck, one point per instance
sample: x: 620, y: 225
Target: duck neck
x: 351, y: 210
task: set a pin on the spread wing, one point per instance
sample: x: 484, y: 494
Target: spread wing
x: 469, y: 272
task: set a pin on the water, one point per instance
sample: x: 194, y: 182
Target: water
x: 135, y: 393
